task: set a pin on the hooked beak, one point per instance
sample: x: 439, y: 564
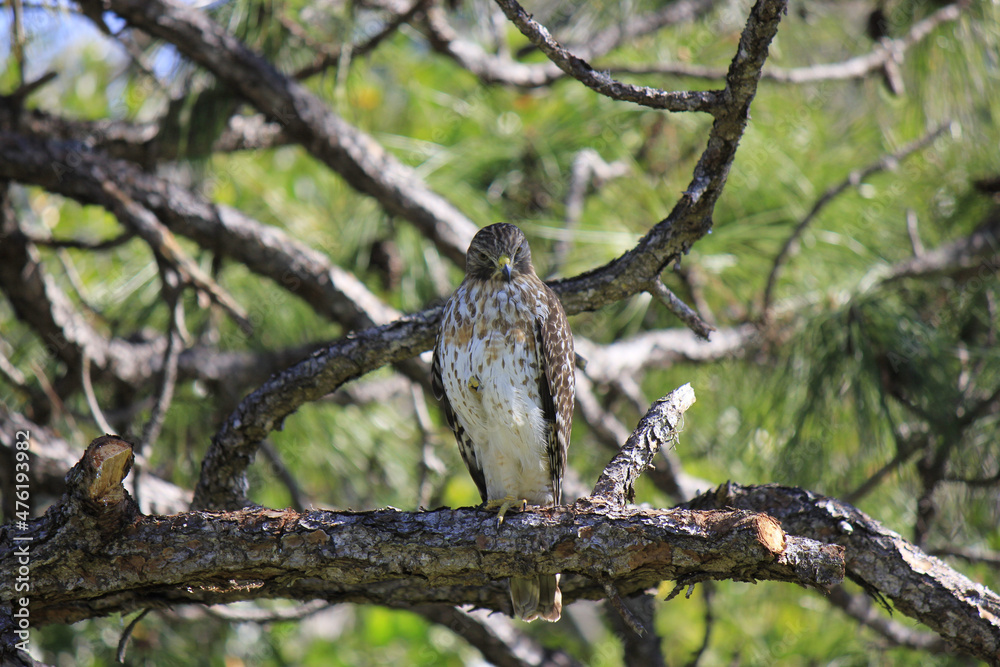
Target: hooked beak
x: 504, y: 264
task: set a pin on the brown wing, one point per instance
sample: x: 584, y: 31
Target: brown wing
x: 557, y: 386
x: 465, y: 446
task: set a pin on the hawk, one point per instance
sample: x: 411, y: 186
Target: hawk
x: 503, y: 370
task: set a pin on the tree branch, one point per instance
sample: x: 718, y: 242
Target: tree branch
x: 455, y: 556
x: 69, y: 169
x: 964, y: 613
x: 659, y: 427
x: 492, y: 68
x: 885, y: 53
x: 600, y: 82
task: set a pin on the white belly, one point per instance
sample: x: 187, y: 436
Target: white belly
x: 494, y: 393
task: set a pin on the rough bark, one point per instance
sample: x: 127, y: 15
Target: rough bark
x: 387, y: 556
x: 460, y: 556
x: 659, y: 427
x: 964, y: 613
x: 222, y: 483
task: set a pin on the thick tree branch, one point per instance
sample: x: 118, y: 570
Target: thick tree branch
x: 964, y: 613
x: 143, y: 143
x: 456, y: 556
x: 73, y: 170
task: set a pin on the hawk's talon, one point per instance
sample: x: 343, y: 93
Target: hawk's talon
x: 505, y: 504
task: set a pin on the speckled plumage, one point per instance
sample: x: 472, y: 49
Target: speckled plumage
x: 503, y: 369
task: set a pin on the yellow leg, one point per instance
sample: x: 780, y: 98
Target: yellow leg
x: 506, y: 503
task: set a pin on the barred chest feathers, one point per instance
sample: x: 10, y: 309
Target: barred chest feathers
x: 492, y: 381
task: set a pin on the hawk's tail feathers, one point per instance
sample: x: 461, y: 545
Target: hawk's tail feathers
x: 549, y: 597
x: 524, y: 597
x: 536, y: 597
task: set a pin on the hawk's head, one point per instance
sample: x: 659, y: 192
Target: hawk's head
x: 498, y: 252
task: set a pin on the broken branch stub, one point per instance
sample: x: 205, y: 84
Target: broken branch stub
x: 660, y: 426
